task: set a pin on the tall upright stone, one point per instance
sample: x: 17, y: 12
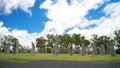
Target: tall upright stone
x: 94, y: 49
x: 71, y: 49
x: 83, y: 51
x: 56, y: 47
x: 15, y: 48
x: 111, y: 47
x: 6, y: 49
x: 56, y: 50
x: 102, y: 49
x: 33, y: 48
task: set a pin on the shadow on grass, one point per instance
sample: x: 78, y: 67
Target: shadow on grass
x: 1, y: 66
x: 16, y: 60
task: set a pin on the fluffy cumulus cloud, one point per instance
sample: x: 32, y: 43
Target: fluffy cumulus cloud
x: 70, y: 17
x: 6, y: 6
x: 106, y: 24
x: 23, y: 36
x: 3, y: 30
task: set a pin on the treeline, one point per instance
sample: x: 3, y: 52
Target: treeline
x: 62, y: 44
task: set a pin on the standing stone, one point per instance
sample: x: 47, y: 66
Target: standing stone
x: 83, y: 51
x: 87, y: 50
x: 94, y: 49
x: 71, y: 49
x: 102, y: 49
x: 99, y: 50
x: 56, y: 47
x: 56, y: 50
x: 33, y: 48
x: 6, y: 49
x: 111, y: 47
x: 15, y: 48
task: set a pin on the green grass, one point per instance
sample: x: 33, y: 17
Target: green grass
x: 26, y: 57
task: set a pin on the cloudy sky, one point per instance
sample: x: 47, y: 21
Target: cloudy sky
x: 29, y: 19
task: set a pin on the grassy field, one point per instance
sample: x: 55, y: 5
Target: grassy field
x: 26, y: 57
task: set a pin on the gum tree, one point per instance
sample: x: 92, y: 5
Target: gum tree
x: 50, y: 38
x: 103, y: 44
x: 15, y: 44
x: 84, y: 44
x: 7, y: 41
x: 77, y: 41
x: 117, y: 39
x: 69, y: 43
x: 40, y: 44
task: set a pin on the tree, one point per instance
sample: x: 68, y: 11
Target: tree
x: 15, y: 44
x: 7, y: 42
x: 117, y: 39
x: 24, y: 49
x: 61, y: 43
x: 50, y: 41
x: 77, y: 40
x: 21, y: 48
x: 103, y: 44
x: 1, y: 47
x: 68, y: 43
x: 84, y: 44
x: 40, y: 44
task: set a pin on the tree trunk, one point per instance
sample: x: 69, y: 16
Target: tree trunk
x: 42, y: 50
x: 46, y: 49
x: 38, y: 50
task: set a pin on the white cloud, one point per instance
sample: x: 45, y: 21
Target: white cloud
x: 1, y: 24
x: 3, y: 30
x: 63, y: 16
x: 23, y: 36
x: 106, y: 25
x: 6, y: 6
x: 113, y: 9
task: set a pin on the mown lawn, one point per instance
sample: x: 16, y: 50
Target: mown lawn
x: 26, y: 57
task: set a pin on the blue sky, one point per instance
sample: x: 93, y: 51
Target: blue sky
x: 33, y: 18
x: 35, y: 23
x: 23, y: 21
